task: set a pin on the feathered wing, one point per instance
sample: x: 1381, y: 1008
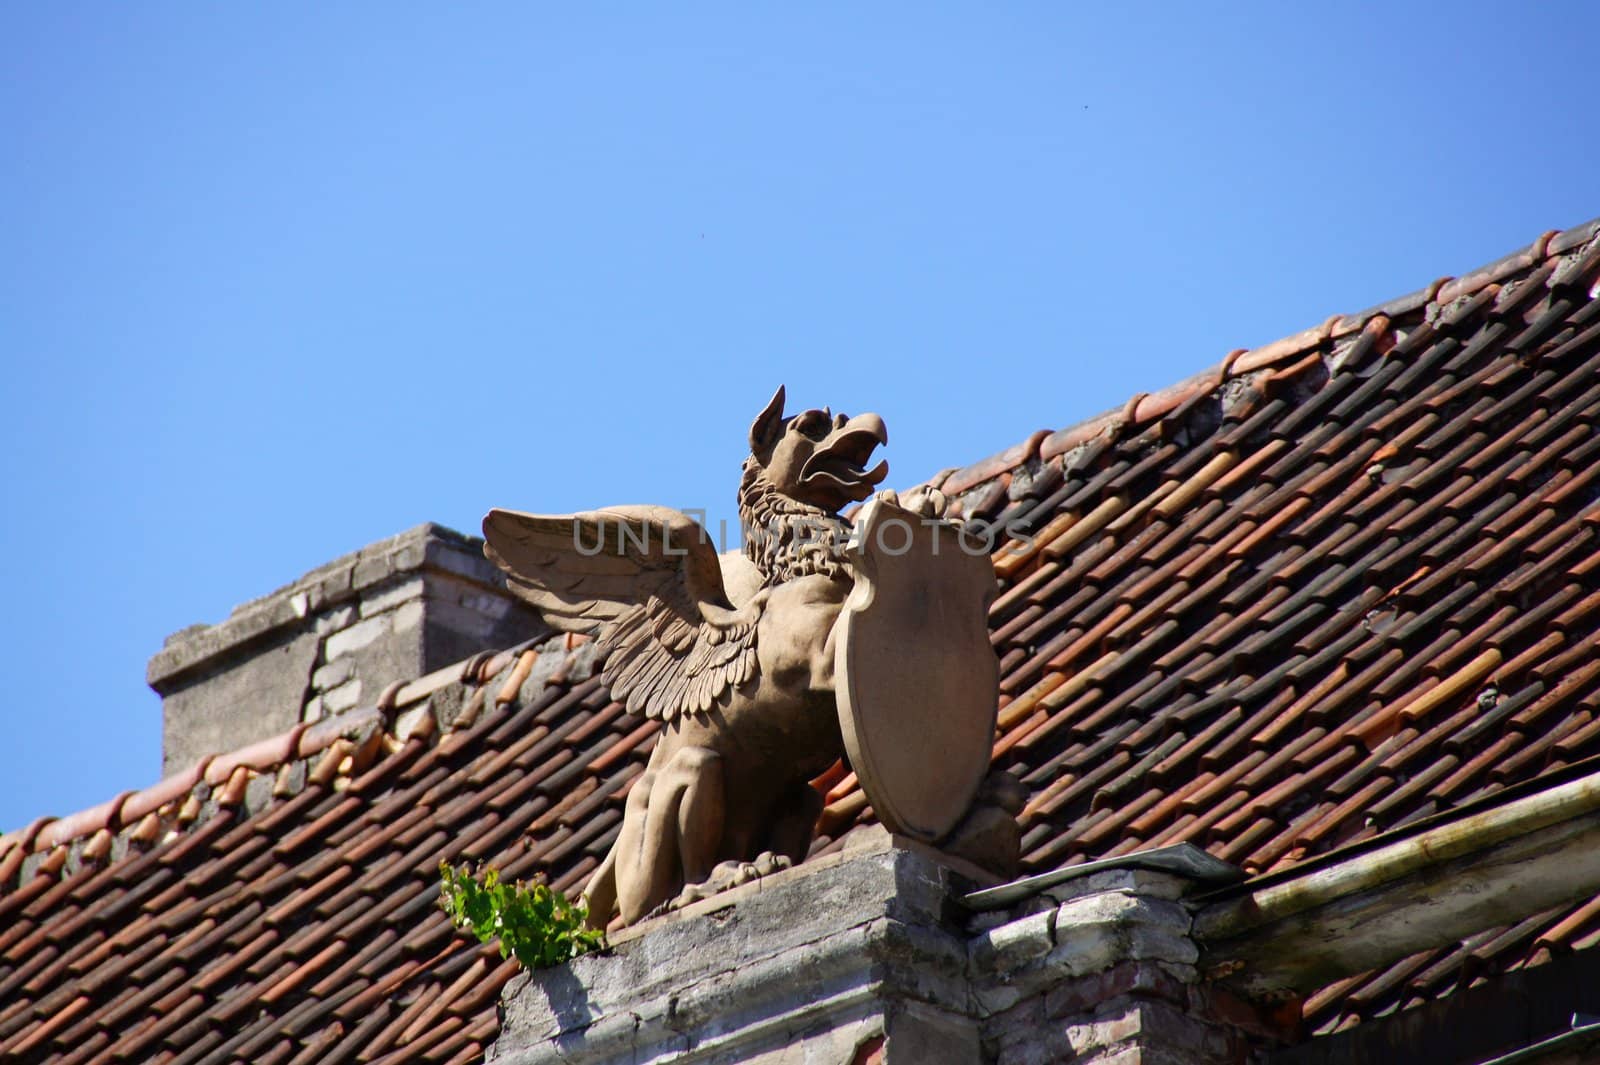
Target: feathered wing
x: 646, y: 581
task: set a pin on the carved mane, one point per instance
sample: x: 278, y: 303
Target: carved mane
x: 786, y: 538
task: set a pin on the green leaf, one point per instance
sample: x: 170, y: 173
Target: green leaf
x: 537, y: 926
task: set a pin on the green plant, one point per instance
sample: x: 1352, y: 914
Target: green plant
x: 537, y: 926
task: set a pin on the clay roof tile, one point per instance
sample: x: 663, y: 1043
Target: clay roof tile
x: 1363, y: 594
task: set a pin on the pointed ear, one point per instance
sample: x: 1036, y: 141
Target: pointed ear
x: 764, y: 430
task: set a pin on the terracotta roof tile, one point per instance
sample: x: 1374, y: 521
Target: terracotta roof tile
x: 1330, y: 586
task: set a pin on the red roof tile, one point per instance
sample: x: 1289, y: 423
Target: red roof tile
x: 1329, y: 587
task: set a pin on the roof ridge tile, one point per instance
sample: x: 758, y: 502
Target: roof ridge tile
x: 1143, y: 408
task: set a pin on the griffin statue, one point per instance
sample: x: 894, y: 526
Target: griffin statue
x: 735, y: 656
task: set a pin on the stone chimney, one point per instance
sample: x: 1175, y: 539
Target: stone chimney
x: 333, y: 640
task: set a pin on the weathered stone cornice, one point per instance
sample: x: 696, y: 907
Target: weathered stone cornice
x: 426, y: 546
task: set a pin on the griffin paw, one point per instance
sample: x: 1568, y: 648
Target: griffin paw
x: 728, y: 875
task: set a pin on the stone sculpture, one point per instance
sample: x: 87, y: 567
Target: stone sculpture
x: 740, y: 657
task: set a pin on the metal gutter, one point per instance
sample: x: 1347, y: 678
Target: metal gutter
x: 1181, y: 859
x: 1422, y: 887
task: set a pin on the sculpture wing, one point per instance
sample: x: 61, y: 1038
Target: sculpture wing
x: 646, y: 581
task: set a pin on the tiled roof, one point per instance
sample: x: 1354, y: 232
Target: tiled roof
x: 1337, y: 585
x: 278, y: 904
x: 1334, y: 585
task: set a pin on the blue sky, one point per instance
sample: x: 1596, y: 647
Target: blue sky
x: 281, y: 280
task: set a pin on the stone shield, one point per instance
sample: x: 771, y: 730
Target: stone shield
x: 917, y: 680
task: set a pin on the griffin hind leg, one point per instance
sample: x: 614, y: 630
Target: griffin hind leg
x: 628, y: 857
x: 601, y: 892
x: 670, y: 829
x: 698, y: 795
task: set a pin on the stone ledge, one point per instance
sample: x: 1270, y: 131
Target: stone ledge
x: 814, y: 950
x: 1080, y: 937
x: 865, y: 951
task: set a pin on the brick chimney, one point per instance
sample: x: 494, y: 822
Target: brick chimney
x: 333, y: 640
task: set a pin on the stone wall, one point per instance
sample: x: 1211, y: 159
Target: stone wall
x: 1101, y: 970
x: 333, y: 640
x: 829, y: 962
x: 868, y: 958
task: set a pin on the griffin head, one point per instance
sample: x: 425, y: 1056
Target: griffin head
x: 801, y: 470
x: 817, y: 457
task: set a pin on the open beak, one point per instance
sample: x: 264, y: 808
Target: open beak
x: 838, y: 465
